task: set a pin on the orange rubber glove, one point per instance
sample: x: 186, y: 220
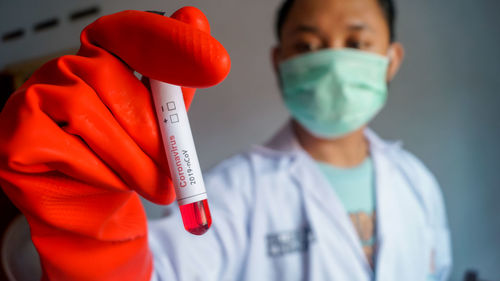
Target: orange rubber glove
x: 80, y: 138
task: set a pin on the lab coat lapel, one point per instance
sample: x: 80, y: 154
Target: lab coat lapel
x: 317, y: 192
x: 314, y: 184
x: 385, y: 254
x: 400, y: 247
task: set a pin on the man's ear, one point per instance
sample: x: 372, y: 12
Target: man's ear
x: 396, y: 55
x: 275, y: 57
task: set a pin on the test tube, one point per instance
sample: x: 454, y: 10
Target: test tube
x: 181, y: 155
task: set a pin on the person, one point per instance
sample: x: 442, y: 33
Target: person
x: 325, y: 199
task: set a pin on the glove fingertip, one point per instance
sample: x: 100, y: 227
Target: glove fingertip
x: 192, y: 16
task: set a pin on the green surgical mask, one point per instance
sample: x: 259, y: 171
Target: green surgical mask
x: 334, y: 92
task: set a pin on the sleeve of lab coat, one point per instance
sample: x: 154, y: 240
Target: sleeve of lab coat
x: 219, y: 253
x: 432, y: 198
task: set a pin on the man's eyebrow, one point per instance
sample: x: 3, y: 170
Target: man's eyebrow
x: 307, y: 28
x: 359, y: 26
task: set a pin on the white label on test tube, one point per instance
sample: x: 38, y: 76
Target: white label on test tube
x: 178, y: 142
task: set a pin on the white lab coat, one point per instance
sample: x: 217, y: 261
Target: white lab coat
x: 275, y: 217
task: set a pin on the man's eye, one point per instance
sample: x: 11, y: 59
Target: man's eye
x: 303, y: 47
x: 357, y: 44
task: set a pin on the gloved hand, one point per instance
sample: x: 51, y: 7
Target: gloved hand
x: 80, y: 138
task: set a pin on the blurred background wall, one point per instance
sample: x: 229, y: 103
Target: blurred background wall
x: 444, y: 104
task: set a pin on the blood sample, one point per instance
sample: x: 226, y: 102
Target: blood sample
x: 182, y: 158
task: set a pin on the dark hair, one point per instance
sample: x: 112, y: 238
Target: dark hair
x: 386, y: 5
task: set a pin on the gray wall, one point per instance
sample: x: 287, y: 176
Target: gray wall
x: 443, y: 104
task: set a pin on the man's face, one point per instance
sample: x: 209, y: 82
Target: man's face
x: 312, y: 25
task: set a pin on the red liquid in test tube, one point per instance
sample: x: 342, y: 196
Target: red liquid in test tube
x: 182, y: 158
x: 196, y: 217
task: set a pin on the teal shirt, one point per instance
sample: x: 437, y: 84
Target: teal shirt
x: 355, y: 187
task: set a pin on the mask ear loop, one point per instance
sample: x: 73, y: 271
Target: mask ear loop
x: 390, y: 55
